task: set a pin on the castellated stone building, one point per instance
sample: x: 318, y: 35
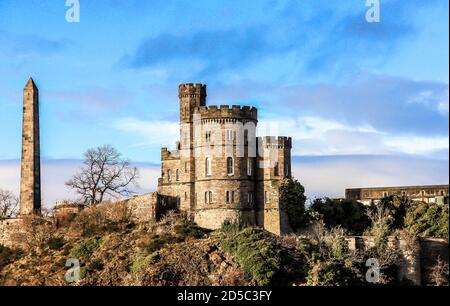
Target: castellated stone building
x: 220, y: 170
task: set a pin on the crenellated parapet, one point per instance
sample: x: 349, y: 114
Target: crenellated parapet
x: 191, y: 90
x: 166, y: 154
x: 280, y: 142
x: 226, y: 112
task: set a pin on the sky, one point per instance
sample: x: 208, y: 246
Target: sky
x: 367, y: 104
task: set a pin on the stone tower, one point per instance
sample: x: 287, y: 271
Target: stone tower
x: 30, y: 177
x: 215, y: 173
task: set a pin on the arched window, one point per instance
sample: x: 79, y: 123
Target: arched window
x: 207, y: 166
x: 177, y: 175
x: 232, y: 197
x: 169, y: 175
x: 230, y: 165
x: 227, y: 197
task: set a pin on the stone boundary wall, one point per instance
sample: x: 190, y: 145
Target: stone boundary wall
x: 9, y: 229
x: 416, y: 266
x: 143, y: 208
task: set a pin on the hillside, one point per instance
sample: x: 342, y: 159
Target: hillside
x: 113, y: 250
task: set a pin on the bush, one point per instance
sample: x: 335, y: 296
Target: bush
x: 349, y: 214
x: 330, y: 274
x: 86, y: 247
x: 256, y: 252
x: 189, y: 229
x: 159, y: 241
x: 141, y: 261
x: 56, y: 243
x: 293, y: 199
x: 428, y: 220
x: 231, y: 227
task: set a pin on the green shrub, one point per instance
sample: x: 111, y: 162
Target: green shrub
x: 86, y: 247
x: 256, y: 253
x: 143, y: 260
x: 293, y: 199
x: 231, y: 227
x: 330, y: 274
x: 159, y: 241
x: 189, y: 229
x: 350, y: 215
x: 56, y: 243
x: 428, y: 220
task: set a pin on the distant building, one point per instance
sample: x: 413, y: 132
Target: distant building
x: 428, y: 194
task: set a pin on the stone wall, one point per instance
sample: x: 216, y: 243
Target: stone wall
x: 10, y: 229
x: 415, y: 263
x: 144, y: 207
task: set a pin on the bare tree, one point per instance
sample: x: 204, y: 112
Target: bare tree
x: 104, y: 174
x: 9, y: 204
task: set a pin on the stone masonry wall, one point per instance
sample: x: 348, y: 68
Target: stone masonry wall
x: 413, y: 266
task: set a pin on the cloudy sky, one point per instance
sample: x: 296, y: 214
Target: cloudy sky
x: 367, y: 104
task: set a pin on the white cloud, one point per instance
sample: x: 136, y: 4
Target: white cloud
x: 321, y: 176
x: 150, y: 133
x: 318, y: 136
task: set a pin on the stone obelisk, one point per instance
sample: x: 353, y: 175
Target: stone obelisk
x: 30, y: 176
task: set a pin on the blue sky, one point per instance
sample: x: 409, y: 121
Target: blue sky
x: 316, y: 70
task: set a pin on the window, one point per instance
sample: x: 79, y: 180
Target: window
x: 208, y: 136
x: 169, y: 175
x: 185, y: 166
x: 230, y: 135
x: 385, y: 194
x: 185, y: 196
x: 250, y: 198
x: 266, y: 197
x: 249, y: 166
x: 207, y: 166
x: 275, y: 169
x: 442, y: 192
x: 230, y: 166
x: 229, y: 197
x: 208, y: 197
x: 177, y: 175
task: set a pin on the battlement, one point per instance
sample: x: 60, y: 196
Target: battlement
x: 166, y: 154
x: 280, y: 141
x: 190, y: 89
x: 227, y: 112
